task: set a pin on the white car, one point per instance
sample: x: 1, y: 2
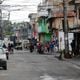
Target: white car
x: 3, y: 59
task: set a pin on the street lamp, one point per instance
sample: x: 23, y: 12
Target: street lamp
x: 1, y: 29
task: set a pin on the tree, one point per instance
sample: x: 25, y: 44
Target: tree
x: 7, y: 27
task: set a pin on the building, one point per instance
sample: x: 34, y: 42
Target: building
x: 76, y: 28
x: 23, y: 31
x: 34, y: 26
x: 44, y: 34
x: 56, y: 19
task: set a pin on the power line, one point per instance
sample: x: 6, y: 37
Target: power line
x: 26, y: 5
x: 16, y: 5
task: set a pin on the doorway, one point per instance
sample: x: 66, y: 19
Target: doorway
x: 77, y: 43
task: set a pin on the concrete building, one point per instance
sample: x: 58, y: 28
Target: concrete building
x: 23, y: 31
x: 44, y: 34
x: 34, y: 26
x: 51, y: 20
x: 56, y: 19
x: 76, y: 28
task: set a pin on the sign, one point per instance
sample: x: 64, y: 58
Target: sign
x: 42, y: 13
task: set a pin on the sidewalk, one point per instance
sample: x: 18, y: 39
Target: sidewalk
x: 74, y: 60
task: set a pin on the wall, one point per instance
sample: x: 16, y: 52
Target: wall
x: 57, y: 23
x: 61, y: 40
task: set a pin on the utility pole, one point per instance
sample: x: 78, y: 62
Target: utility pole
x: 8, y: 15
x: 1, y: 29
x: 1, y: 32
x: 65, y: 28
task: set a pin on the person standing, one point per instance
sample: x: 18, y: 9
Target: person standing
x: 47, y: 47
x: 73, y: 47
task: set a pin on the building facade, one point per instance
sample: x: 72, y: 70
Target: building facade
x: 76, y: 28
x: 23, y: 31
x: 56, y: 19
x: 34, y: 26
x: 44, y: 34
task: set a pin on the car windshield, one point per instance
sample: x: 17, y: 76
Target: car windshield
x: 1, y: 51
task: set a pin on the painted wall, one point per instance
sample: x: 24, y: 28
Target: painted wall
x: 45, y: 37
x: 43, y: 30
x: 42, y: 26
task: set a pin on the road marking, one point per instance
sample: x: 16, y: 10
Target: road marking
x: 3, y: 74
x: 47, y: 77
x: 75, y: 66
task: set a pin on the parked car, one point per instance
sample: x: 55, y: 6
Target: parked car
x: 3, y: 59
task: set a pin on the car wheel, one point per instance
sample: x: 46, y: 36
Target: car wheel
x: 5, y: 67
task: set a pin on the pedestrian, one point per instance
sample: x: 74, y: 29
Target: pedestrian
x: 73, y: 47
x: 12, y: 48
x: 51, y: 47
x: 47, y: 47
x: 9, y: 47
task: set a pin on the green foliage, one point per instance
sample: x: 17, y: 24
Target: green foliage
x: 7, y: 27
x: 8, y: 33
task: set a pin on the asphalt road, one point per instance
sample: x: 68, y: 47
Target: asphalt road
x: 23, y: 65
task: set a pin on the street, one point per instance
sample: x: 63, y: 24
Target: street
x: 24, y: 65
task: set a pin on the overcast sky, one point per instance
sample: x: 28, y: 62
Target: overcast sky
x: 22, y: 15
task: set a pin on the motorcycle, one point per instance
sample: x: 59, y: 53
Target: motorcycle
x: 31, y: 50
x: 40, y: 50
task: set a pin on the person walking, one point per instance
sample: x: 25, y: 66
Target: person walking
x: 9, y: 48
x: 51, y: 47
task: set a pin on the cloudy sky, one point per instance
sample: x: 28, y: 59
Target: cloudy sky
x: 22, y: 14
